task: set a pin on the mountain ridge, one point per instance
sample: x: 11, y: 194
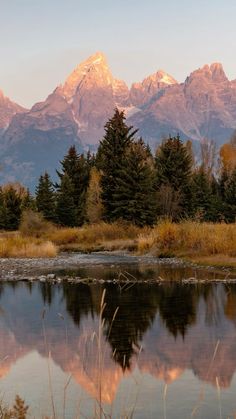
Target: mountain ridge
x: 203, y: 106
x: 8, y: 109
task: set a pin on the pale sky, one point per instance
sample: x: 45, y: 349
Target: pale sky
x: 41, y: 41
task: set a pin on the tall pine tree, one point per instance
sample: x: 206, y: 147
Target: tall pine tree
x: 111, y: 158
x: 77, y: 168
x: 45, y: 197
x: 134, y: 198
x: 201, y: 193
x: 65, y: 207
x: 230, y: 197
x: 227, y: 180
x: 12, y: 209
x: 173, y: 169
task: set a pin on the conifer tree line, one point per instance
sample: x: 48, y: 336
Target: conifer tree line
x: 125, y: 181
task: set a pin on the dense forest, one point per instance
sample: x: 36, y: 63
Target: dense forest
x: 125, y: 181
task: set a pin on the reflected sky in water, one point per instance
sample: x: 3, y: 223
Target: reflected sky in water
x: 165, y: 351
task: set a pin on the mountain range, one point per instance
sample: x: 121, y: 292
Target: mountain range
x: 34, y: 140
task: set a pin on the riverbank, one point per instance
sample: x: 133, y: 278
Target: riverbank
x: 201, y: 243
x: 111, y: 267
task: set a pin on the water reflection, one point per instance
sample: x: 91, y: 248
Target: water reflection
x: 165, y: 331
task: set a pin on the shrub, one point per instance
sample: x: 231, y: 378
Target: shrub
x: 190, y: 238
x: 33, y: 224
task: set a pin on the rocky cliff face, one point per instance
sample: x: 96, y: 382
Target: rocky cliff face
x: 80, y: 107
x: 204, y: 106
x: 141, y: 93
x: 36, y: 140
x: 92, y: 93
x: 7, y: 110
x: 75, y: 113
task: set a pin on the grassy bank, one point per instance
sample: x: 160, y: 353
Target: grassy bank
x: 205, y: 243
x: 47, y: 240
x: 16, y: 246
x: 97, y: 237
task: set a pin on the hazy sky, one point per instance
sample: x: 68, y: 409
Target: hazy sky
x: 41, y: 41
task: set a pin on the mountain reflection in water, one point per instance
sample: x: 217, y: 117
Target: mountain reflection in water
x: 171, y: 333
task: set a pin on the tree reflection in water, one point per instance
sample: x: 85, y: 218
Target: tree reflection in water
x: 156, y: 317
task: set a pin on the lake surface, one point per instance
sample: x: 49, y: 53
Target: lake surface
x: 121, y: 349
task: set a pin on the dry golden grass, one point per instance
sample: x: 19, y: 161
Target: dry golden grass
x: 190, y: 239
x: 5, y: 234
x: 97, y: 236
x: 146, y: 241
x: 62, y: 236
x: 20, y: 247
x: 18, y: 410
x: 106, y: 232
x: 201, y: 242
x: 38, y: 238
x: 119, y: 244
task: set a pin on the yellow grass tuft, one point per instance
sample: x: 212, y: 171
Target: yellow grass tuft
x: 62, y: 236
x: 146, y: 241
x: 190, y: 238
x: 20, y: 247
x: 104, y: 231
x: 93, y: 236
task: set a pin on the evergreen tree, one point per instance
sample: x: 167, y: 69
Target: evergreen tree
x: 134, y: 198
x: 77, y: 168
x: 230, y: 197
x: 201, y: 191
x: 216, y: 209
x: 227, y: 179
x: 173, y: 168
x: 12, y: 209
x: 45, y: 197
x: 148, y: 150
x: 224, y: 177
x: 111, y: 158
x: 65, y: 207
x: 91, y: 159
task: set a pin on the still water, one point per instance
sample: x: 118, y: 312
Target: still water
x: 120, y: 350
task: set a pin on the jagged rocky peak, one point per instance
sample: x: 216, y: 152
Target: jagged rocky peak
x: 7, y: 110
x: 142, y: 92
x: 91, y: 75
x: 217, y: 72
x: 213, y: 72
x: 120, y: 92
x: 162, y: 77
x: 95, y: 69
